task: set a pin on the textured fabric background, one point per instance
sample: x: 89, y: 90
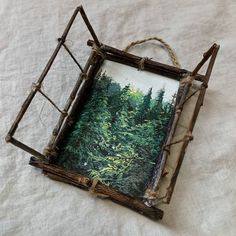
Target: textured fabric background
x: 204, y: 199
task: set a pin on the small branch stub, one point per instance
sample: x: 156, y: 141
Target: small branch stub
x: 8, y: 138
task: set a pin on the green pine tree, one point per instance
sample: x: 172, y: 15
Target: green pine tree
x: 144, y: 107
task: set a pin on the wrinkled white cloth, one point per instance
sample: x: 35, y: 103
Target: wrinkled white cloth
x: 203, y: 202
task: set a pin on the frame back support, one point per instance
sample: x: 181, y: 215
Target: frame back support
x: 37, y: 86
x: 210, y: 54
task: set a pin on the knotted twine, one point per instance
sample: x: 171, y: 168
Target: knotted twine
x: 170, y: 51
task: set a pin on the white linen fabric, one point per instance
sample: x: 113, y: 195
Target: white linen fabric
x: 203, y: 202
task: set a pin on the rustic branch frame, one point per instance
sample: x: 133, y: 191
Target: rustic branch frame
x: 99, y: 53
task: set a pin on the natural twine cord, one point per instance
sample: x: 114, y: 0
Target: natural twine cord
x: 49, y: 152
x: 171, y: 52
x: 84, y: 76
x: 98, y: 50
x: 187, y: 137
x: 188, y: 80
x: 141, y: 63
x: 93, y: 191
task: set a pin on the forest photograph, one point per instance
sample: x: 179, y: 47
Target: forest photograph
x: 119, y: 134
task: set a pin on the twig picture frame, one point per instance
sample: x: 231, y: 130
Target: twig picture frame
x: 161, y: 181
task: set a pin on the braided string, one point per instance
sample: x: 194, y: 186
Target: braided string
x: 171, y: 52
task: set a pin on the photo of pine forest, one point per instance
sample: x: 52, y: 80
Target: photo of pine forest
x: 118, y: 135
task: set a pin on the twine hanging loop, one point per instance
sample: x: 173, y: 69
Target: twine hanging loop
x: 170, y: 51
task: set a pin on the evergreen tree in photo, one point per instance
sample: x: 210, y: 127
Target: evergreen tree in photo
x: 118, y: 136
x: 157, y: 106
x: 144, y: 108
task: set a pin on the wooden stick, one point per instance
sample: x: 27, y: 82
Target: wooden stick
x: 51, y: 101
x: 90, y: 28
x: 148, y: 67
x: 120, y: 56
x: 206, y: 56
x: 205, y: 84
x: 214, y: 50
x: 72, y: 56
x: 27, y: 149
x: 80, y: 181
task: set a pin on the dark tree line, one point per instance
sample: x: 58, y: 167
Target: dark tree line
x: 118, y: 136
